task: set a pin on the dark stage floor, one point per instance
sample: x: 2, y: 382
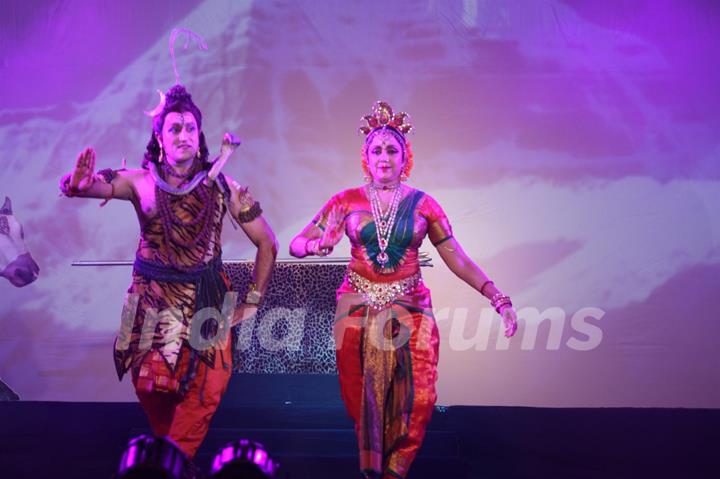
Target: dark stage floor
x: 306, y: 429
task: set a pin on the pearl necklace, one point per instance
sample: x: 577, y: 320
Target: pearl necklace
x: 384, y: 221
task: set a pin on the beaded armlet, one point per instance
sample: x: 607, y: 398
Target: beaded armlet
x: 108, y: 174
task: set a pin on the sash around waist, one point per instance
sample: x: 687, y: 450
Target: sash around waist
x: 163, y: 272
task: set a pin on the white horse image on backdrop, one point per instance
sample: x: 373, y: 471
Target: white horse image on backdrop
x: 16, y: 263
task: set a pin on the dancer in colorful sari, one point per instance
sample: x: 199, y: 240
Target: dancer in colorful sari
x: 179, y: 356
x: 385, y: 332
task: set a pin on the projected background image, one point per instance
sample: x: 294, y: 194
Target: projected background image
x: 573, y: 145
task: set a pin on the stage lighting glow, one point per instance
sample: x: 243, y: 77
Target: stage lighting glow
x: 244, y: 459
x: 148, y: 456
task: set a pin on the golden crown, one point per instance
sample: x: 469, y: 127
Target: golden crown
x: 382, y: 116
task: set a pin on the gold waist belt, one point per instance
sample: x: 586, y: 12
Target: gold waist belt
x: 379, y: 295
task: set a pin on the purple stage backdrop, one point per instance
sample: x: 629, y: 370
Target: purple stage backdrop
x: 574, y: 146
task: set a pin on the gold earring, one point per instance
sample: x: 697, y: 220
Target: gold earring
x: 364, y: 164
x: 162, y: 153
x: 197, y: 155
x: 404, y: 173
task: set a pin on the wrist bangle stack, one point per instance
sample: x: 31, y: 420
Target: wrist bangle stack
x: 499, y: 300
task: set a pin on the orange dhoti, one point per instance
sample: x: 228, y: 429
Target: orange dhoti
x: 387, y: 365
x: 184, y: 418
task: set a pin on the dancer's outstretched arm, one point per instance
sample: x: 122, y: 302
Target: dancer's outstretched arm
x: 466, y: 269
x: 82, y: 181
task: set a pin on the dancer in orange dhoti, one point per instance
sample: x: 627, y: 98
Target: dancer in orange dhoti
x: 385, y: 332
x: 180, y: 362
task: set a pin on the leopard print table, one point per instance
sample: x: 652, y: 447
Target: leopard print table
x: 292, y: 332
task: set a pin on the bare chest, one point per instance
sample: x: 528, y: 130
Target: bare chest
x: 146, y: 200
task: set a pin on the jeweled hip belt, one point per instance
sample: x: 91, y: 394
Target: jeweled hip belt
x: 378, y: 295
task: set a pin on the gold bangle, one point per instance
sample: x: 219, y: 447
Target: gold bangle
x: 482, y: 288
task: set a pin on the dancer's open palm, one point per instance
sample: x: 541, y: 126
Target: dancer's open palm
x: 509, y: 317
x: 333, y: 228
x: 81, y: 177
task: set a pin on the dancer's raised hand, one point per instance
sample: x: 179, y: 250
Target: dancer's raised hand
x: 333, y: 232
x: 82, y: 175
x: 228, y: 146
x: 509, y: 317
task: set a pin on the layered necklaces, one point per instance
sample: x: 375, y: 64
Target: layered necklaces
x: 384, y: 220
x: 199, y: 228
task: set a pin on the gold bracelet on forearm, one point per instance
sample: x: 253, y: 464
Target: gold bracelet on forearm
x: 482, y: 288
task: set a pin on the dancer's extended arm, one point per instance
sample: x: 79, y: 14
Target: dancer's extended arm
x: 466, y: 269
x: 83, y: 182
